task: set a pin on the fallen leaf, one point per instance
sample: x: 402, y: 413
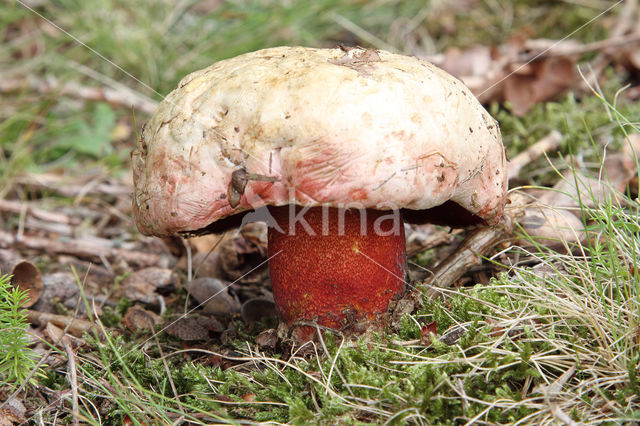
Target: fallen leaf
x: 213, y: 295
x: 137, y: 319
x: 54, y: 333
x: 258, y: 308
x: 143, y: 285
x: 539, y: 81
x: 26, y: 277
x: 249, y: 397
x: 268, y: 339
x: 427, y: 331
x: 205, y: 243
x: 224, y: 398
x: 207, y: 264
x: 240, y: 255
x: 475, y: 61
x: 193, y: 327
x: 551, y: 226
x: 14, y: 412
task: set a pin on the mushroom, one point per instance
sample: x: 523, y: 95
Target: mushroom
x: 334, y: 148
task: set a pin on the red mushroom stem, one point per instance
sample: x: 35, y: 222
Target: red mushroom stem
x: 331, y: 264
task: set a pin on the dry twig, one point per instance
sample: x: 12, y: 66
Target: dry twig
x: 473, y: 248
x: 68, y: 186
x: 96, y: 249
x: 51, y: 85
x: 17, y: 208
x: 73, y: 377
x: 77, y: 327
x: 542, y: 48
x: 549, y: 143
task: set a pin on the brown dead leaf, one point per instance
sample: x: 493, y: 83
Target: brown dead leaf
x: 555, y: 218
x: 427, y: 331
x: 213, y: 295
x: 258, y: 308
x: 175, y: 245
x: 142, y: 285
x: 205, y: 243
x: 634, y: 57
x: 453, y: 334
x: 552, y: 227
x: 193, y: 327
x: 539, y: 81
x: 575, y: 188
x: 473, y: 62
x: 75, y: 326
x: 207, y: 265
x: 53, y: 333
x: 138, y: 319
x: 240, y: 255
x: 524, y: 71
x: 26, y: 276
x: 14, y: 411
x: 268, y: 339
x: 224, y: 398
x: 249, y: 397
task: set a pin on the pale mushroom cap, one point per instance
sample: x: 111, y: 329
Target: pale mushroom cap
x: 339, y: 127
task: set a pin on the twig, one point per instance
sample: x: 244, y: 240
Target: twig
x: 50, y: 84
x: 77, y: 327
x: 551, y: 142
x: 627, y: 19
x: 551, y: 48
x: 73, y: 377
x: 62, y: 185
x: 473, y: 248
x: 467, y: 255
x: 17, y: 207
x: 94, y: 249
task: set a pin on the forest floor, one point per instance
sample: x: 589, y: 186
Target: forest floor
x: 537, y: 322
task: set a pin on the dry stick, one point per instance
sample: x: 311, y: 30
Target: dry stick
x: 627, y: 19
x: 480, y: 241
x: 62, y: 185
x: 549, y: 143
x: 50, y: 84
x: 93, y: 250
x: 73, y: 377
x: 571, y: 49
x: 469, y: 254
x: 17, y: 207
x: 77, y: 327
x: 473, y: 248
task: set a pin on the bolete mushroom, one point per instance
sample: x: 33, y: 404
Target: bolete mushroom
x: 334, y: 148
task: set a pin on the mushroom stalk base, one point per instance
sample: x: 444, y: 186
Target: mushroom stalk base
x: 335, y: 265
